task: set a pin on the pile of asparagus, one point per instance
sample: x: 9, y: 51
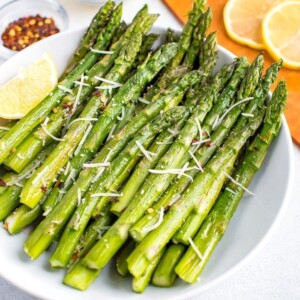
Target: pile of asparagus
x: 140, y: 153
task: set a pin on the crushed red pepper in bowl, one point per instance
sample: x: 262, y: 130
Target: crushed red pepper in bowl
x: 27, y: 31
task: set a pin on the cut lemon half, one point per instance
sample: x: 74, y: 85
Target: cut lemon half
x: 281, y: 33
x: 31, y: 85
x: 243, y: 20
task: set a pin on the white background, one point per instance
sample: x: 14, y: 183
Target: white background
x: 275, y: 272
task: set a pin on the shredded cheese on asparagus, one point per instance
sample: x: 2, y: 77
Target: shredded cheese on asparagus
x: 193, y: 245
x: 79, y: 199
x: 113, y: 83
x: 96, y: 165
x: 175, y: 199
x: 164, y: 143
x: 219, y: 120
x: 102, y: 169
x: 111, y: 133
x: 247, y: 115
x: 101, y: 51
x: 157, y: 224
x: 173, y: 171
x: 83, y: 119
x: 173, y: 132
x: 202, y: 142
x: 147, y: 154
x: 183, y: 170
x: 122, y: 116
x: 81, y: 83
x: 51, y: 135
x: 196, y: 160
x: 83, y: 139
x: 106, y: 195
x: 67, y: 168
x: 65, y: 89
x: 40, y: 175
x: 143, y: 100
x: 200, y: 130
x: 4, y: 128
x: 230, y: 190
x: 47, y: 211
x: 238, y: 184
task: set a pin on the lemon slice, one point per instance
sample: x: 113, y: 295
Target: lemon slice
x: 31, y: 85
x: 243, y: 20
x: 281, y: 33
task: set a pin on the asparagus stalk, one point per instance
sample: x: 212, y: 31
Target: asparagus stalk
x: 37, y: 115
x: 162, y: 144
x: 159, y: 237
x: 198, y: 36
x: 34, y: 143
x: 97, y: 134
x: 164, y: 275
x: 6, y: 127
x: 90, y: 36
x: 122, y: 258
x: 93, y: 233
x: 187, y: 32
x: 165, y: 80
x: 216, y: 223
x: 172, y: 36
x: 184, y: 44
x: 21, y: 217
x: 80, y: 218
x: 32, y: 193
x: 206, y: 46
x: 9, y: 199
x: 140, y: 283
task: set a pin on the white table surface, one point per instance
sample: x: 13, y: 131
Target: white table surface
x: 274, y: 273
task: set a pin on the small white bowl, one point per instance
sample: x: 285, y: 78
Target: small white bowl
x: 16, y: 9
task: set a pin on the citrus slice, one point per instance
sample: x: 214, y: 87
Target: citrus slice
x: 243, y: 19
x: 281, y: 33
x: 31, y: 85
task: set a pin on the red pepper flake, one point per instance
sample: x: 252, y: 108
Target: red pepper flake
x: 208, y: 144
x: 65, y: 105
x: 27, y: 31
x: 75, y: 256
x: 195, y: 140
x: 44, y: 189
x: 97, y: 93
x: 2, y: 182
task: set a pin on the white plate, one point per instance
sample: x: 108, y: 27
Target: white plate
x: 249, y: 229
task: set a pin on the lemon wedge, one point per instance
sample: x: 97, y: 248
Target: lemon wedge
x: 31, y: 85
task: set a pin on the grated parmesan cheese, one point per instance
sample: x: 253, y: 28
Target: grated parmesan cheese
x: 51, y: 135
x: 83, y: 119
x: 147, y: 154
x: 96, y: 165
x: 65, y: 89
x: 197, y: 251
x: 196, y: 160
x: 228, y: 110
x: 83, y: 139
x: 143, y: 100
x: 238, y: 184
x: 101, y: 51
x: 157, y: 224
